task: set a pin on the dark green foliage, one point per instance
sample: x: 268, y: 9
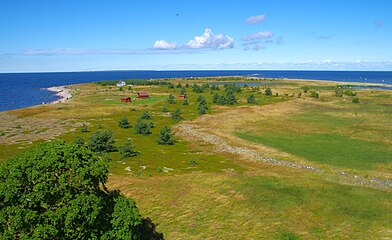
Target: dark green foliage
x: 299, y: 95
x: 355, y: 100
x: 165, y: 136
x: 186, y: 102
x: 79, y: 141
x: 84, y: 128
x: 176, y: 115
x: 268, y: 92
x: 230, y: 98
x: 164, y: 109
x: 126, y: 150
x: 129, y: 88
x: 183, y: 91
x: 202, y: 109
x: 120, y: 89
x: 171, y: 99
x: 57, y: 191
x: 251, y: 99
x: 170, y: 86
x: 205, y: 86
x: 179, y: 85
x: 314, y: 94
x: 142, y: 127
x: 215, y: 98
x: 289, y: 236
x: 2, y: 133
x: 124, y: 123
x: 146, y: 115
x: 196, y: 88
x: 187, y: 85
x: 306, y: 89
x: 101, y: 141
x: 231, y: 87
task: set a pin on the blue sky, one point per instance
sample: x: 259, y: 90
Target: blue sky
x: 68, y: 35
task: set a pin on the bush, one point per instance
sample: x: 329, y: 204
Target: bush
x: 124, y: 123
x: 355, y: 100
x: 176, y: 115
x: 84, y: 128
x: 251, y: 99
x: 146, y: 115
x: 165, y: 136
x: 202, y: 109
x: 179, y: 85
x: 142, y: 127
x: 314, y: 94
x: 101, y: 141
x: 171, y: 99
x: 186, y: 102
x: 268, y: 92
x: 350, y: 93
x: 183, y: 91
x: 164, y: 109
x: 79, y: 141
x: 126, y: 150
x: 57, y: 191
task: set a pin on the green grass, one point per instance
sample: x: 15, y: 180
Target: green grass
x: 327, y: 149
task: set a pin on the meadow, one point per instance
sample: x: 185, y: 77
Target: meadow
x: 191, y: 190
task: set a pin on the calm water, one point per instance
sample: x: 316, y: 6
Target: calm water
x: 19, y: 90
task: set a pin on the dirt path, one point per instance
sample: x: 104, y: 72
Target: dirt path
x: 220, y: 145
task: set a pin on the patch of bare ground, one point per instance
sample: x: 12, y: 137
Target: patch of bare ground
x: 29, y: 129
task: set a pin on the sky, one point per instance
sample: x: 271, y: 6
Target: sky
x: 71, y: 35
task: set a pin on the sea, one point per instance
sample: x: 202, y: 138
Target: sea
x: 20, y: 90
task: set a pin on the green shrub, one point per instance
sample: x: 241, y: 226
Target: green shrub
x: 2, y: 133
x: 127, y: 150
x: 79, y: 141
x: 124, y: 123
x: 142, y: 127
x: 171, y: 99
x: 355, y: 100
x: 251, y: 99
x: 268, y: 92
x: 186, y: 102
x: 164, y: 109
x: 176, y: 115
x: 102, y: 141
x: 146, y: 115
x: 84, y: 128
x: 165, y: 136
x: 314, y: 94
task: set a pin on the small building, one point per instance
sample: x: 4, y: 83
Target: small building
x: 126, y: 99
x: 181, y: 96
x: 121, y: 84
x: 142, y: 95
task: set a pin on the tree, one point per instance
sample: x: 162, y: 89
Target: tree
x: 101, y: 141
x: 142, y: 127
x: 145, y: 115
x: 186, y: 102
x: 164, y: 109
x: 230, y: 98
x: 355, y: 100
x: 314, y: 94
x: 57, y: 191
x: 84, y: 128
x: 215, y: 97
x: 124, y: 123
x: 176, y: 115
x: 179, y: 85
x: 251, y: 99
x: 268, y: 92
x: 170, y: 99
x: 202, y: 109
x: 183, y: 91
x: 165, y: 136
x: 126, y: 150
x: 79, y: 141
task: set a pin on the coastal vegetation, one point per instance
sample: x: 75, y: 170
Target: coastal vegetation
x: 238, y: 161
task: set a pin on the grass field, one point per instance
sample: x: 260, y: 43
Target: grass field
x: 192, y: 191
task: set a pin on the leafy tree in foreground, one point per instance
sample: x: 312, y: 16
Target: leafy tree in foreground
x: 124, y: 123
x: 165, y: 136
x: 101, y: 141
x: 57, y: 191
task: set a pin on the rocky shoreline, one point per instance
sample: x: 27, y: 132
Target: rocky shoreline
x: 62, y: 92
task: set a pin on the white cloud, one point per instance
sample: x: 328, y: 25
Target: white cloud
x: 258, y: 35
x: 210, y: 40
x: 255, y: 19
x: 164, y: 45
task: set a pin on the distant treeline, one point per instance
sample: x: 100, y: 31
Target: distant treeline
x: 140, y: 82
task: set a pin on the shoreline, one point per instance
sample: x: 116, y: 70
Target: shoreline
x: 62, y: 92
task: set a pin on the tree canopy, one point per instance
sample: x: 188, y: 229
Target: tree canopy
x: 57, y: 191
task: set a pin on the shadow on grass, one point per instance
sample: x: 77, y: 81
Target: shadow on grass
x: 149, y: 232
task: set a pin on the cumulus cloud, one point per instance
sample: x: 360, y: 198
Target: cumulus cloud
x: 164, y: 45
x: 255, y: 19
x: 256, y: 36
x: 210, y: 40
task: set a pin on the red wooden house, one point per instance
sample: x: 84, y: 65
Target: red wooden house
x: 142, y: 95
x: 181, y: 96
x: 126, y: 99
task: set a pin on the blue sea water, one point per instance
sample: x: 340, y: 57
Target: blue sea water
x: 19, y: 90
